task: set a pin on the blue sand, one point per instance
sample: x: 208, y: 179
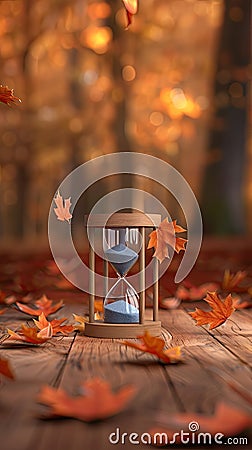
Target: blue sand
x: 121, y: 257
x: 121, y: 312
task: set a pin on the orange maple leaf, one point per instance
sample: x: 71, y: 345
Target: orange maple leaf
x: 7, y: 96
x: 31, y: 335
x: 5, y: 369
x: 156, y: 346
x: 131, y: 7
x: 56, y: 325
x: 62, y: 211
x: 97, y: 402
x: 232, y: 280
x: 221, y: 311
x: 165, y: 237
x: 43, y: 305
x: 238, y: 421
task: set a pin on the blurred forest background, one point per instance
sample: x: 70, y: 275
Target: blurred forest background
x: 176, y: 85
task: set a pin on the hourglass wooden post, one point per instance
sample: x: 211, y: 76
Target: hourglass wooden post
x: 124, y: 304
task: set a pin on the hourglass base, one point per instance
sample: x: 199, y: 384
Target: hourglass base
x: 119, y: 331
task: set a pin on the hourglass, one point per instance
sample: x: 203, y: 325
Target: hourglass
x: 123, y: 248
x: 121, y: 304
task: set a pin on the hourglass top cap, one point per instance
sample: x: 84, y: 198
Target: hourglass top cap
x: 122, y: 220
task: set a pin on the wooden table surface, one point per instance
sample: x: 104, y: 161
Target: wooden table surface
x: 194, y: 386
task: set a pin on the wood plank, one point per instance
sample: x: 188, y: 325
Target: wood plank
x: 235, y: 335
x: 205, y: 357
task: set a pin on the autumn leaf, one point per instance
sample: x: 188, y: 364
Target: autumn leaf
x: 238, y: 421
x: 194, y: 293
x: 2, y: 311
x: 221, y: 311
x: 97, y: 402
x: 241, y: 304
x: 232, y: 280
x: 56, y: 324
x: 7, y: 96
x: 43, y: 305
x: 131, y: 7
x: 165, y: 237
x: 81, y: 320
x: 31, y: 335
x: 156, y: 346
x: 98, y: 306
x: 5, y: 369
x: 62, y: 211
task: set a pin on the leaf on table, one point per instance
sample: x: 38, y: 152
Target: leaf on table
x: 228, y: 420
x: 169, y: 303
x: 194, y: 293
x: 43, y: 304
x: 220, y: 312
x: 5, y: 369
x: 7, y: 96
x: 131, y: 7
x: 97, y: 402
x: 240, y: 303
x: 62, y: 210
x: 31, y: 335
x: 232, y: 280
x: 164, y: 237
x: 156, y: 346
x: 82, y: 320
x: 56, y: 324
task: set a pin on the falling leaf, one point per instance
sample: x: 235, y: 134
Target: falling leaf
x: 43, y: 305
x: 56, y: 325
x: 156, y: 346
x: 232, y: 280
x: 31, y: 335
x: 5, y: 369
x: 165, y: 236
x: 97, y: 402
x: 221, y: 311
x: 7, y: 96
x: 238, y: 421
x: 131, y: 7
x: 62, y: 211
x: 194, y: 293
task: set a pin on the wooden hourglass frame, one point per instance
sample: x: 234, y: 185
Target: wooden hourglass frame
x: 97, y: 328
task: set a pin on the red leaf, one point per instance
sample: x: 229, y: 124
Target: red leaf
x: 5, y: 369
x: 7, y: 96
x: 156, y: 346
x: 56, y: 325
x: 194, y: 293
x: 221, y: 311
x: 43, y: 305
x: 228, y: 420
x: 62, y: 211
x: 31, y: 335
x: 97, y: 402
x: 165, y: 237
